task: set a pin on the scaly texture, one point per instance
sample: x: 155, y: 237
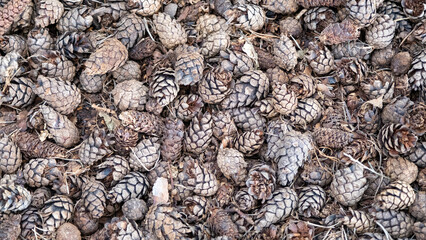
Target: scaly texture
x: 108, y: 57
x: 348, y: 186
x: 170, y: 31
x: 10, y: 12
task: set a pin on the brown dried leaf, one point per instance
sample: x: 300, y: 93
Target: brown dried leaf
x: 339, y: 32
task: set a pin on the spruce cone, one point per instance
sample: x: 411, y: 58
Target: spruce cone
x: 362, y: 12
x: 318, y: 18
x: 130, y: 95
x: 222, y: 225
x: 92, y: 83
x: 261, y: 182
x: 199, y: 134
x: 170, y: 32
x: 198, y: 178
x: 14, y: 43
x: 125, y: 138
x: 119, y: 228
x: 358, y: 221
x: 223, y: 125
x: 380, y: 34
x: 215, y: 85
x: 40, y: 196
x: 29, y: 222
x: 245, y: 201
x: 189, y: 67
x: 320, y: 58
x: 74, y: 45
x: 396, y: 139
x: 31, y: 146
x: 20, y: 92
x: 415, y: 118
x: 8, y: 66
x: 417, y: 73
x: 112, y: 170
x: 397, y: 224
x: 285, y: 54
x: 352, y: 49
x: 332, y: 138
x: 215, y: 43
x: 133, y: 185
x: 75, y: 20
x: 251, y: 17
x: 311, y: 200
x: 348, y: 186
x: 52, y: 64
x: 145, y: 155
x: 187, y: 106
x: 231, y: 163
x: 130, y: 29
x: 10, y: 155
x: 419, y: 229
x: 142, y: 122
x: 48, y: 12
x: 236, y: 62
x: 307, y: 111
x: 94, y: 198
x: 145, y: 7
x: 196, y: 207
x: 39, y: 41
x: 281, y: 6
x: 291, y: 26
x: 339, y: 33
x: 284, y: 100
x: 165, y: 222
x: 10, y: 12
x: 95, y: 147
x: 164, y: 87
x: 276, y: 209
x: 250, y: 142
x: 111, y: 55
x: 275, y: 132
x: 57, y: 211
x: 396, y: 196
x: 208, y: 24
x: 143, y: 49
x: 418, y: 208
x: 319, y: 3
x: 14, y: 198
x: 248, y: 119
x: 401, y: 169
x: 171, y: 146
x: 10, y: 226
x: 316, y: 173
x: 418, y: 155
x: 129, y: 71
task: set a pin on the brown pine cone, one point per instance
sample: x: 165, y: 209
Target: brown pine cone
x: 396, y: 110
x: 134, y: 209
x: 29, y: 222
x: 401, y: 63
x: 284, y: 100
x: 112, y: 170
x: 142, y: 122
x: 196, y: 207
x: 311, y: 200
x: 20, y: 92
x: 10, y: 227
x: 39, y: 40
x: 215, y: 43
x: 92, y: 83
x: 360, y: 149
x: 252, y: 86
x: 358, y: 221
x: 10, y: 12
x: 266, y: 107
x: 163, y: 86
x: 125, y: 138
x: 171, y: 146
x: 418, y: 208
x: 415, y: 118
x: 276, y: 77
x: 303, y: 85
x: 189, y: 67
x: 399, y: 168
x: 418, y: 155
x: 133, y: 185
x: 350, y: 71
x: 63, y: 131
x: 129, y: 71
x: 244, y: 200
x: 332, y: 138
x: 187, y: 106
x: 320, y: 58
x: 380, y: 34
x: 75, y: 20
x: 63, y: 96
x: 372, y: 236
x: 199, y: 133
x: 316, y: 173
x: 250, y: 142
x: 223, y: 125
x: 318, y: 18
x: 130, y: 95
x: 94, y: 198
x: 84, y: 221
x: 396, y: 12
x: 111, y: 55
x: 225, y: 192
x: 118, y: 228
x: 8, y: 66
x: 352, y: 49
x: 57, y: 211
x: 285, y: 54
x: 396, y: 139
x: 221, y: 224
x: 396, y: 196
x: 142, y: 49
x: 48, y: 12
x: 291, y: 26
x: 14, y: 43
x: 164, y: 222
x: 276, y: 131
x: 40, y: 196
x: 339, y: 33
x: 198, y: 178
x: 307, y: 111
x: 215, y: 85
x: 231, y: 163
x: 319, y: 3
x: 248, y: 119
x: 14, y: 198
x: 397, y: 224
x: 130, y: 29
x: 280, y: 206
x: 145, y: 7
x: 419, y: 229
x: 421, y: 179
x: 281, y: 6
x: 95, y: 147
x: 208, y: 24
x: 382, y: 58
x: 261, y: 182
x: 32, y: 147
x: 251, y: 17
x: 417, y: 73
x: 362, y: 12
x: 145, y: 155
x: 52, y: 64
x: 10, y: 155
x: 236, y: 62
x: 348, y: 186
x: 380, y: 84
x: 170, y: 32
x: 413, y: 9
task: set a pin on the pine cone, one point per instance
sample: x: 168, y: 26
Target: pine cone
x: 261, y: 182
x: 291, y: 26
x: 32, y: 147
x: 358, y: 221
x: 145, y: 155
x: 187, y: 106
x: 339, y: 33
x: 281, y: 6
x: 382, y: 58
x: 413, y: 9
x: 208, y: 24
x: 251, y: 17
x: 380, y: 34
x: 129, y: 71
x: 130, y: 95
x: 196, y: 207
x: 40, y: 196
x: 319, y: 3
x: 14, y: 198
x: 316, y: 173
x: 276, y: 209
x: 418, y: 155
x: 198, y: 178
x: 215, y: 85
x: 397, y: 224
x: 352, y: 49
x: 303, y: 85
x: 8, y: 66
x: 134, y: 209
x: 215, y: 43
x: 125, y: 138
x: 221, y: 224
x: 348, y: 186
x: 248, y: 119
x: 417, y: 73
x: 165, y: 222
x: 111, y: 55
x: 307, y: 111
x: 362, y: 12
x: 266, y: 107
x: 92, y: 83
x: 396, y: 110
x: 418, y: 208
x: 372, y: 236
x: 236, y: 62
x: 119, y: 228
x: 84, y: 221
x: 318, y: 18
x: 171, y: 146
x: 415, y: 118
x: 275, y: 132
x: 145, y: 7
x: 396, y: 139
x: 142, y: 49
x: 29, y: 222
x: 39, y: 41
x: 112, y: 170
x: 284, y: 100
x: 163, y: 87
x: 75, y: 20
x: 94, y: 198
x: 199, y: 133
x: 74, y: 45
x: 360, y: 149
x: 320, y: 58
x: 95, y: 147
x: 133, y: 185
x: 332, y: 138
x: 285, y: 54
x: 10, y: 155
x: 57, y: 211
x: 252, y: 86
x: 245, y: 201
x: 250, y: 142
x: 10, y: 226
x: 396, y: 196
x: 419, y: 229
x: 20, y: 92
x: 142, y: 122
x: 401, y: 169
x: 48, y: 12
x: 52, y: 64
x: 311, y: 199
x: 189, y: 67
x: 170, y: 32
x: 9, y: 13
x: 231, y: 163
x: 395, y: 11
x: 14, y: 43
